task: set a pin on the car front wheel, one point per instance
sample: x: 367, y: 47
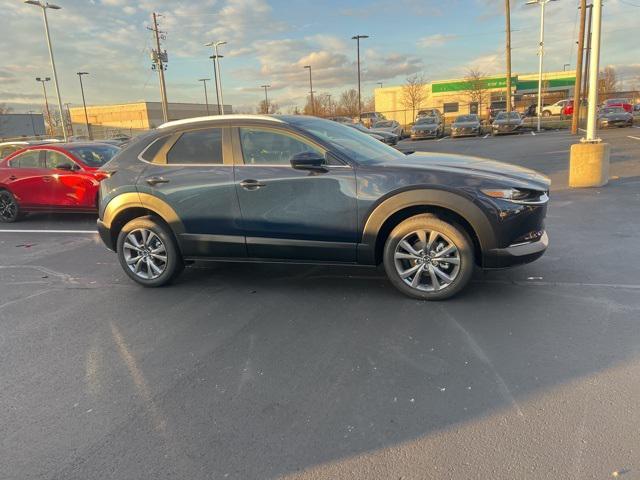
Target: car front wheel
x: 9, y: 208
x: 428, y: 258
x: 148, y: 252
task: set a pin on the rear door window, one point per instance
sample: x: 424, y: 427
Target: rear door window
x: 30, y: 159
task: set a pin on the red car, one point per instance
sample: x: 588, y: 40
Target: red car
x: 58, y: 178
x: 619, y: 102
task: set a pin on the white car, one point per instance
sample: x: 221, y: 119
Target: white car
x: 554, y: 109
x: 390, y: 126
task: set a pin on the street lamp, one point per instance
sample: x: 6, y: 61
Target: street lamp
x: 266, y: 98
x: 357, y: 39
x: 206, y: 98
x: 313, y: 106
x: 380, y: 83
x: 84, y: 104
x: 46, y: 101
x: 564, y: 67
x: 217, y: 73
x: 542, y: 4
x: 44, y: 6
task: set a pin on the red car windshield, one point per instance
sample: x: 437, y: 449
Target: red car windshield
x: 94, y: 155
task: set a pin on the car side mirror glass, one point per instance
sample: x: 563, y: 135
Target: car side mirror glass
x: 308, y: 161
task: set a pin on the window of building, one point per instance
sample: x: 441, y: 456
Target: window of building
x: 30, y: 159
x: 197, y: 147
x: 268, y: 147
x: 450, y: 107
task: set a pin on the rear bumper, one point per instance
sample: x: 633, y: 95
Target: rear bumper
x: 516, y: 254
x: 105, y: 235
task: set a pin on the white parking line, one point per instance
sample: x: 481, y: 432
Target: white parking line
x: 487, y: 135
x: 635, y: 138
x: 532, y: 132
x: 49, y: 231
x: 443, y: 138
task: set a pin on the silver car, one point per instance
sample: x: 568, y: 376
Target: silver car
x: 390, y: 126
x: 507, y: 123
x: 614, y: 117
x: 465, y: 125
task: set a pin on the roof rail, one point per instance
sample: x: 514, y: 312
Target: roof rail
x: 187, y: 121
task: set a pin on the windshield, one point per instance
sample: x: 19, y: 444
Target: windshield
x: 466, y: 118
x: 360, y: 147
x: 94, y: 155
x: 616, y: 100
x: 510, y: 116
x: 425, y: 120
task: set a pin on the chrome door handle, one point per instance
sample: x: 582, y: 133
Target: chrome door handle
x: 156, y: 180
x: 252, y: 184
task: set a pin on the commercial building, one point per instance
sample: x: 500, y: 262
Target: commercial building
x: 18, y: 125
x: 132, y: 118
x: 460, y: 96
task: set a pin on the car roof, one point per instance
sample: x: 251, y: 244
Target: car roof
x: 220, y: 118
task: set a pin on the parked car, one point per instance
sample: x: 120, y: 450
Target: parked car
x: 568, y: 108
x: 7, y: 148
x: 370, y: 118
x: 430, y: 112
x: 305, y: 189
x: 341, y: 119
x: 54, y: 178
x: 390, y: 126
x: 636, y: 107
x: 465, y: 125
x: 385, y: 137
x: 619, y: 102
x: 555, y: 108
x: 427, y: 127
x: 495, y: 107
x: 507, y: 123
x: 614, y: 117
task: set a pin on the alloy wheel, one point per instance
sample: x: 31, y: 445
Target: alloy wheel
x: 8, y: 206
x: 145, y: 254
x: 427, y: 260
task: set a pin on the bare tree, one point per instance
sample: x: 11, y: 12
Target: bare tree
x: 272, y: 107
x: 348, y: 103
x: 607, y: 82
x: 414, y: 93
x: 369, y: 104
x: 475, y: 87
x: 4, y: 109
x: 294, y: 110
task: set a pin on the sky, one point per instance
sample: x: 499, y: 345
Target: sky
x: 270, y: 41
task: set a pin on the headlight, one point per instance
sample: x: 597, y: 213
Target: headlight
x: 530, y: 197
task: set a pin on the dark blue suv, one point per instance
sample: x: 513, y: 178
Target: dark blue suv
x: 307, y: 190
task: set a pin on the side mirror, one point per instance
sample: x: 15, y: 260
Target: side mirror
x: 66, y: 166
x: 308, y: 161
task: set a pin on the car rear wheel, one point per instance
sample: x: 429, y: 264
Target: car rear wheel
x: 428, y: 259
x: 546, y: 113
x: 148, y: 252
x: 9, y: 208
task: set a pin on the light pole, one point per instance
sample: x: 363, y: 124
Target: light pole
x: 542, y: 4
x: 215, y: 82
x: 594, y: 65
x: 44, y: 6
x: 218, y: 74
x: 46, y: 101
x: 266, y: 97
x: 313, y: 105
x: 380, y: 83
x: 84, y: 104
x: 564, y: 67
x: 357, y: 39
x: 206, y: 98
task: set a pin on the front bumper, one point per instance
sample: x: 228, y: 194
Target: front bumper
x: 462, y: 132
x: 516, y: 254
x: 424, y: 134
x: 503, y: 130
x: 105, y: 235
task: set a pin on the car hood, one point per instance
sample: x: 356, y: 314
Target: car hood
x: 482, y: 167
x: 382, y: 133
x: 465, y: 125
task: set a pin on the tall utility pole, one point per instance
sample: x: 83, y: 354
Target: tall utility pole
x: 507, y: 16
x: 44, y: 6
x: 585, y: 77
x: 593, y: 72
x: 159, y: 61
x: 46, y: 101
x: 313, y: 105
x: 542, y: 4
x: 357, y: 39
x: 217, y: 74
x: 206, y: 98
x: 577, y: 94
x: 266, y: 97
x: 84, y: 104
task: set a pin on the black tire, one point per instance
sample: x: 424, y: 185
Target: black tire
x: 448, y: 233
x: 546, y: 113
x: 170, y: 268
x: 9, y: 208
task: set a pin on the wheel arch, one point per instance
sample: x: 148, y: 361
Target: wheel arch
x: 125, y: 207
x: 444, y: 204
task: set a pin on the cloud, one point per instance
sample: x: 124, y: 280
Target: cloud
x: 435, y: 40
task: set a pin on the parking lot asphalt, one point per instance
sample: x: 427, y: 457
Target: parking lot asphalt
x: 307, y: 372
